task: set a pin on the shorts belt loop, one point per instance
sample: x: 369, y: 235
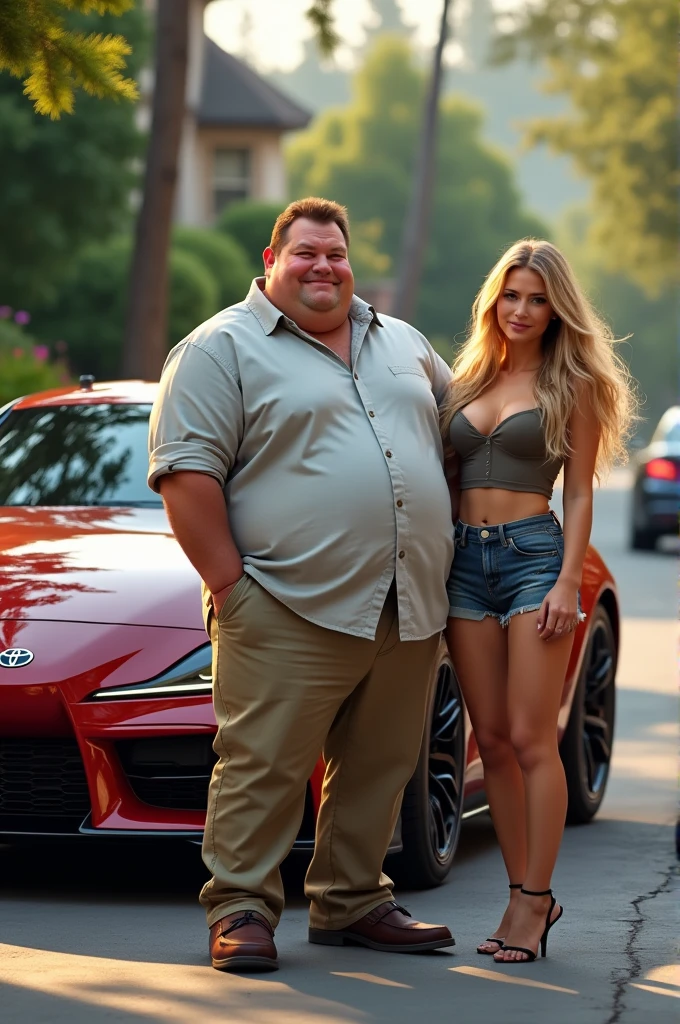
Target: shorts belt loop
x: 501, y: 535
x: 463, y: 536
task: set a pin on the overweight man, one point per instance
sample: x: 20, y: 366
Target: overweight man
x: 295, y: 443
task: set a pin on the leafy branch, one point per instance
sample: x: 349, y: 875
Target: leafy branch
x: 37, y: 47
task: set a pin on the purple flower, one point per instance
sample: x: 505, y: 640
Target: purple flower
x: 22, y: 317
x: 41, y: 353
x: 5, y: 312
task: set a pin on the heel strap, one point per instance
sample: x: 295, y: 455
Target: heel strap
x: 515, y: 885
x: 528, y: 892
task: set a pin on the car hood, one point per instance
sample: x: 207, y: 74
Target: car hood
x: 107, y: 565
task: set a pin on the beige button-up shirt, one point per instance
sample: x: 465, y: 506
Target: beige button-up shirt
x: 333, y: 476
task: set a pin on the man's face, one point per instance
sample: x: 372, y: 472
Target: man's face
x: 311, y: 280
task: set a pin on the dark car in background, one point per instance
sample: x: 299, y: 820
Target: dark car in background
x: 656, y: 490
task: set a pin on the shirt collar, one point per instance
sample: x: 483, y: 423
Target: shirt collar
x: 269, y: 316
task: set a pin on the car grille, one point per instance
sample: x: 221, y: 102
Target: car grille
x: 174, y: 772
x: 42, y: 785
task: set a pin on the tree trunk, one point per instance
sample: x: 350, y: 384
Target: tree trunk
x: 146, y: 331
x: 416, y: 224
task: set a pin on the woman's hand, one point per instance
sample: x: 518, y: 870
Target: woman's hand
x: 220, y: 596
x: 558, y: 615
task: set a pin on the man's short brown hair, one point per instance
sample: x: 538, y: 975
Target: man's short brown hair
x: 312, y: 208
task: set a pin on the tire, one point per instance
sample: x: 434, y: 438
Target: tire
x: 586, y: 746
x: 432, y: 808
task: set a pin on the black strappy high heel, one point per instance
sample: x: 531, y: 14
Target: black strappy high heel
x: 531, y: 956
x: 499, y: 941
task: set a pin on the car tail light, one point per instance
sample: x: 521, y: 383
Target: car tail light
x: 661, y: 469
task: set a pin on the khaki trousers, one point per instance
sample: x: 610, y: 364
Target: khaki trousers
x: 285, y: 690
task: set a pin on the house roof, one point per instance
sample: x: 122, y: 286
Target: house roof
x: 234, y: 94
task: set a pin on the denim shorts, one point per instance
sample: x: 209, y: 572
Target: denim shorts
x: 505, y: 570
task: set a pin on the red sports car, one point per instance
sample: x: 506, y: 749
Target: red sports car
x: 106, y: 720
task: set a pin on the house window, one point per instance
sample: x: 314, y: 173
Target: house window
x: 231, y: 177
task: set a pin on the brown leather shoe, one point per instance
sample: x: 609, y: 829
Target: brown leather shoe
x: 388, y: 928
x: 243, y: 941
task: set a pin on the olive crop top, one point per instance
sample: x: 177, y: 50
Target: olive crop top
x: 513, y: 456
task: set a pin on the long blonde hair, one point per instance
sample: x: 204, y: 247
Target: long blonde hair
x: 578, y: 354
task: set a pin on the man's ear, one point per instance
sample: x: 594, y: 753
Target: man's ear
x: 269, y: 259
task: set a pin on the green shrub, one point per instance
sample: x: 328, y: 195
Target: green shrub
x: 22, y: 375
x: 226, y: 260
x: 194, y: 295
x: 24, y: 366
x: 250, y: 223
x: 90, y: 313
x: 12, y: 336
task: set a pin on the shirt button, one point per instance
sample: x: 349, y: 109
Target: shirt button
x: 402, y: 554
x: 356, y: 376
x: 400, y: 503
x: 484, y: 534
x: 371, y: 414
x: 388, y: 453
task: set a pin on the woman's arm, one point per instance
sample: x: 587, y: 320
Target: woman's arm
x: 559, y: 609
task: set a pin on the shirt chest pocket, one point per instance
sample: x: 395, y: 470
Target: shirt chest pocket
x: 398, y: 370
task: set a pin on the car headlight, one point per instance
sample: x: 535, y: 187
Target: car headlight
x: 188, y: 677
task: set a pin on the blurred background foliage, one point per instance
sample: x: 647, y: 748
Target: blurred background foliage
x: 24, y: 363
x: 609, y: 65
x: 65, y: 183
x: 363, y: 154
x: 616, y: 62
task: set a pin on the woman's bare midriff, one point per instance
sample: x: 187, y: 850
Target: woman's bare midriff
x: 489, y: 506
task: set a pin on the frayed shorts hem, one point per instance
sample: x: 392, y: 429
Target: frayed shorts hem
x: 476, y: 614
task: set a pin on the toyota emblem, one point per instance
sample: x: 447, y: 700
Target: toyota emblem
x: 16, y: 657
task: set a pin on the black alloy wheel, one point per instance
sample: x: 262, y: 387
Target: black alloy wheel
x: 586, y: 746
x: 433, y: 800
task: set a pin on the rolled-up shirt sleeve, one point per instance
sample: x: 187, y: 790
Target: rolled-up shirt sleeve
x: 196, y: 421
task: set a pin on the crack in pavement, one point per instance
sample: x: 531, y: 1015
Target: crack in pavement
x: 634, y: 967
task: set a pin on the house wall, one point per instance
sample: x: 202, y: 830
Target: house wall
x: 268, y: 176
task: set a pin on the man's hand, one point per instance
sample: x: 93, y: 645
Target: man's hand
x: 220, y: 596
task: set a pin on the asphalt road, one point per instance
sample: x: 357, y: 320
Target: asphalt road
x: 94, y: 933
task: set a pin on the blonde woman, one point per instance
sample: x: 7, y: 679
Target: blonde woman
x: 537, y: 387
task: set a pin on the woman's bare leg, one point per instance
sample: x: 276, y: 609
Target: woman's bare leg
x: 536, y: 672
x: 479, y: 653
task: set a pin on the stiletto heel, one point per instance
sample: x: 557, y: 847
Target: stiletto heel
x: 496, y: 938
x: 530, y: 954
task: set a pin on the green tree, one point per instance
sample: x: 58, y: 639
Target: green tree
x: 89, y: 314
x: 39, y: 45
x: 62, y: 183
x: 363, y: 156
x: 648, y: 323
x: 616, y: 61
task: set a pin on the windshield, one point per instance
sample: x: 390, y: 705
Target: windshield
x: 76, y: 455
